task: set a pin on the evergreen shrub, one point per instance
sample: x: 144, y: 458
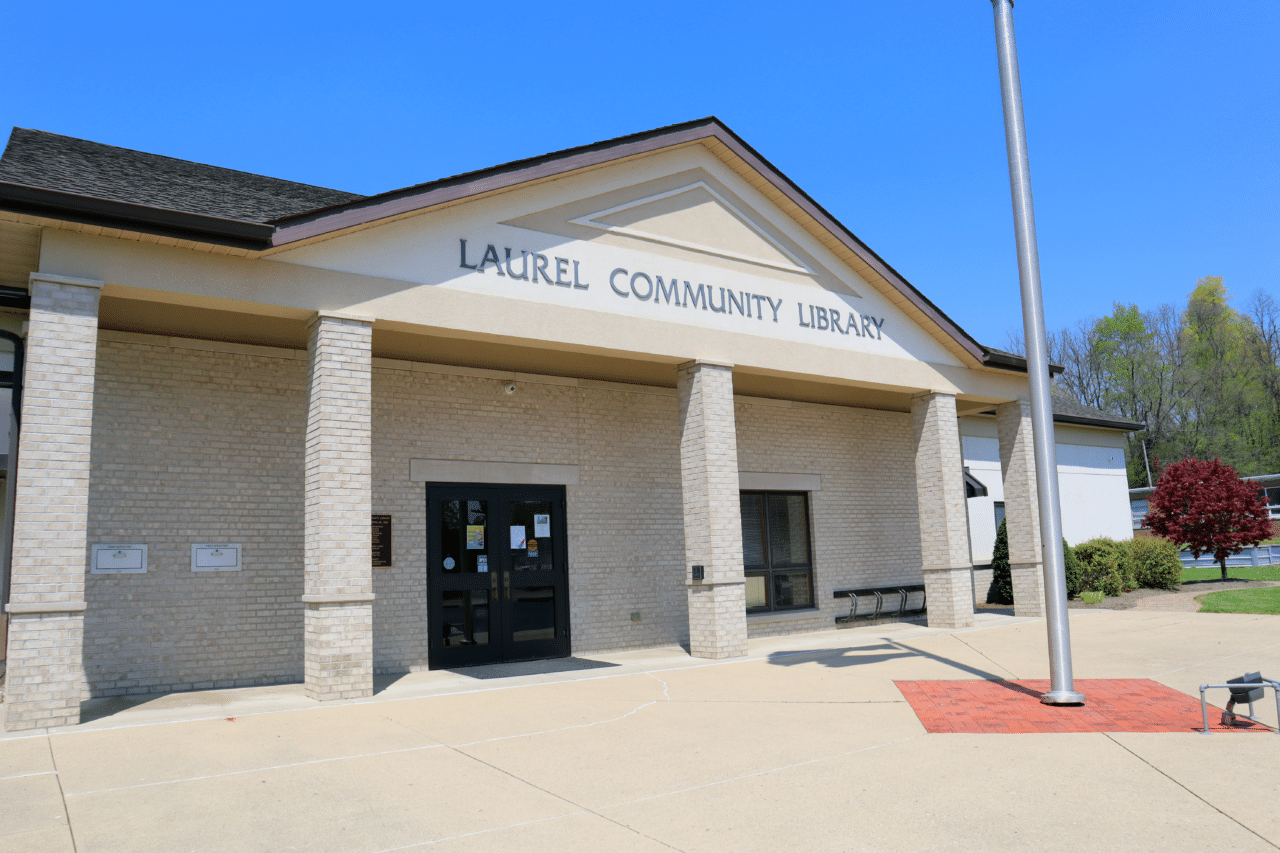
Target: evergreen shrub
x: 1074, y: 571
x: 1153, y: 562
x: 1001, y: 591
x: 1101, y: 564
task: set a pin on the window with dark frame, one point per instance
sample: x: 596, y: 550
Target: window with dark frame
x: 776, y: 552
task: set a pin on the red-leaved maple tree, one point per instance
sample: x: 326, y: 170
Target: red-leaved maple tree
x: 1206, y: 508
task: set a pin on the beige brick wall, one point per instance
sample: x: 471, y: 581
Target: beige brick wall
x: 865, y: 521
x: 197, y: 445
x: 626, y: 545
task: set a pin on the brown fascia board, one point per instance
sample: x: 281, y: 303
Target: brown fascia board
x: 410, y: 199
x: 89, y: 210
x: 1121, y: 424
x: 1017, y: 363
x: 1105, y: 423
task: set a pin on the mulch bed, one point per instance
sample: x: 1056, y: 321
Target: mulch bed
x: 1014, y: 707
x: 1129, y: 600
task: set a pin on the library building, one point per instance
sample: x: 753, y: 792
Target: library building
x: 644, y: 392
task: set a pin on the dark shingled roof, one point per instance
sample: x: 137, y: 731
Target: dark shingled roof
x: 1066, y: 410
x: 36, y: 158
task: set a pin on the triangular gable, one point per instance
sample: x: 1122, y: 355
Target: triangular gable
x: 698, y: 218
x: 711, y: 134
x: 110, y: 215
x: 675, y: 238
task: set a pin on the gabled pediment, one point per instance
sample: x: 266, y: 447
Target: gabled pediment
x: 690, y: 215
x: 698, y: 218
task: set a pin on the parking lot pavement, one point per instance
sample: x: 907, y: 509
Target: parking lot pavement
x: 805, y: 744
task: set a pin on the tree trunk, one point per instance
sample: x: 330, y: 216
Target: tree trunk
x: 1223, y: 564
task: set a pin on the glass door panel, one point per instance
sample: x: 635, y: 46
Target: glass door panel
x: 462, y: 576
x: 536, y: 546
x: 532, y: 545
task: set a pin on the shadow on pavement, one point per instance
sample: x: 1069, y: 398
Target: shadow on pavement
x: 862, y: 655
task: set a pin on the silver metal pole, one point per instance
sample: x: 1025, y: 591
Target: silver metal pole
x: 1061, y: 687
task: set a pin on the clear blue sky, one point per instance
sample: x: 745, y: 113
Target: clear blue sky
x: 1153, y: 126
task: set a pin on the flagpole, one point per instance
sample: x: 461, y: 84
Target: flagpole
x: 1061, y: 685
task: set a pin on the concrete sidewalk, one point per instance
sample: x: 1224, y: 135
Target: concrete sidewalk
x: 804, y: 745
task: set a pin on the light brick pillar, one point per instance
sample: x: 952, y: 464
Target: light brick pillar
x: 1021, y: 506
x: 338, y: 640
x: 944, y: 533
x: 45, y: 680
x: 712, y: 512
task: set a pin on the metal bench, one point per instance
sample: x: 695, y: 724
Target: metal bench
x: 867, y: 613
x: 1248, y: 688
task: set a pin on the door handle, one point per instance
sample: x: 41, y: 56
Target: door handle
x: 506, y: 583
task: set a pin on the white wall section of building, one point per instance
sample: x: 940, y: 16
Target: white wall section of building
x: 1092, y: 481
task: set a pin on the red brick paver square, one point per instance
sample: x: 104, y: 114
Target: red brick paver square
x: 1013, y: 707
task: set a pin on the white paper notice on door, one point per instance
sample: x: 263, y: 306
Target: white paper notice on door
x: 517, y: 536
x: 542, y: 526
x: 482, y: 563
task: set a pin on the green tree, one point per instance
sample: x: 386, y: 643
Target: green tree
x: 1001, y: 591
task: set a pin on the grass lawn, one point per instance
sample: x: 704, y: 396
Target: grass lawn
x: 1249, y: 573
x: 1261, y: 600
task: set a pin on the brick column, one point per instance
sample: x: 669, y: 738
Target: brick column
x: 944, y: 533
x: 338, y: 588
x: 1021, y: 506
x: 712, y: 513
x: 45, y: 680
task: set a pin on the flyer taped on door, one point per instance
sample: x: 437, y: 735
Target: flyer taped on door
x: 517, y: 537
x: 482, y: 562
x: 475, y: 537
x: 542, y: 526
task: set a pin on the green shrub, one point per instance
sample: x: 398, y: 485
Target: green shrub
x: 1153, y: 562
x: 1074, y: 571
x: 1001, y: 591
x: 1101, y: 566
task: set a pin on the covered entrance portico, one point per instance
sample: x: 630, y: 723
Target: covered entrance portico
x: 561, y: 376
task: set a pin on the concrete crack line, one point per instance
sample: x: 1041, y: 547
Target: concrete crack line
x: 62, y: 796
x: 666, y: 693
x: 259, y: 769
x: 1189, y: 791
x: 28, y: 775
x: 581, y: 808
x: 988, y: 657
x: 1217, y: 660
x: 760, y: 773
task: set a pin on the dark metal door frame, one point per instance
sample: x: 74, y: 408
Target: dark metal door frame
x: 499, y: 581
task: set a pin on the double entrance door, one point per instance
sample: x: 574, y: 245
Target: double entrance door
x: 497, y: 586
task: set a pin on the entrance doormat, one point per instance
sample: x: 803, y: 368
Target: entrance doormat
x: 1013, y: 707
